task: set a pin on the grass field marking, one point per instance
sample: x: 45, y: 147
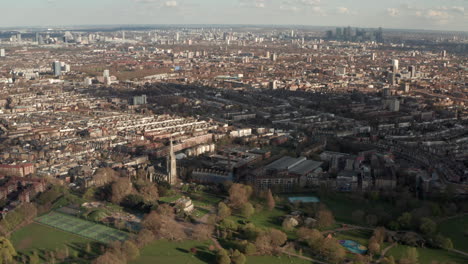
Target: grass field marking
x: 82, y: 227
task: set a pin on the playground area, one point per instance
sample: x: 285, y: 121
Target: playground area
x: 82, y: 227
x: 353, y: 246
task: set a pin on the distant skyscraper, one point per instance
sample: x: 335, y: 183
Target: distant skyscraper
x: 373, y: 56
x: 177, y: 36
x: 2, y: 52
x: 57, y: 68
x: 88, y: 81
x: 341, y: 71
x: 412, y: 70
x: 123, y: 35
x: 274, y: 57
x: 40, y: 40
x: 444, y: 54
x: 139, y: 100
x: 18, y: 37
x: 395, y: 65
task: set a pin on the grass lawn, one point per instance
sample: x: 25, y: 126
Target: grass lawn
x: 264, y: 219
x: 427, y: 255
x: 82, y: 227
x: 170, y: 199
x: 204, y: 199
x: 37, y: 236
x: 43, y: 238
x: 456, y: 229
x: 164, y: 251
x: 343, y: 205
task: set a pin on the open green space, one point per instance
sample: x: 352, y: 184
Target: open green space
x: 427, y: 255
x: 457, y: 230
x: 343, y: 205
x: 264, y: 218
x: 163, y: 251
x: 82, y: 227
x: 41, y: 237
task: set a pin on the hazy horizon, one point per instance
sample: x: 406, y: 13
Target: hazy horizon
x: 415, y: 14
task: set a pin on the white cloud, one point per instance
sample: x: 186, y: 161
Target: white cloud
x: 343, y: 10
x: 393, y: 12
x: 253, y: 3
x: 170, y: 4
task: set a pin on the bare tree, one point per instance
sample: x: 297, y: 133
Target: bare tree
x: 120, y: 188
x: 239, y: 194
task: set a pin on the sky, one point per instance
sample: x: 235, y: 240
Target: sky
x: 398, y: 14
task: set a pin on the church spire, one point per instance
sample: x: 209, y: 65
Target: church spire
x: 171, y: 165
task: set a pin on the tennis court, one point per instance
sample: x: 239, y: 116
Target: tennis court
x: 82, y: 227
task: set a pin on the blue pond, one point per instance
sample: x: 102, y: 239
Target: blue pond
x: 354, y: 246
x: 304, y: 199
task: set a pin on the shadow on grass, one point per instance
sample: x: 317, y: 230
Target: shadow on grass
x: 183, y: 250
x: 206, y: 256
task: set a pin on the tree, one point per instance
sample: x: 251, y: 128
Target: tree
x: 270, y: 200
x: 7, y: 251
x: 374, y: 248
x: 427, y: 226
x: 144, y: 237
x: 103, y: 176
x: 412, y: 255
x: 223, y: 211
x: 371, y: 220
x: 109, y: 258
x: 269, y: 241
x: 380, y: 233
x: 166, y: 210
x: 34, y: 258
x: 405, y: 220
x: 163, y: 226
x: 222, y: 257
x: 239, y: 194
x: 250, y: 249
x: 443, y: 242
x: 325, y: 219
x: 358, y: 216
x: 130, y: 250
x: 247, y: 210
x: 149, y: 192
x: 332, y: 250
x: 120, y: 188
x: 238, y: 258
x: 202, y: 232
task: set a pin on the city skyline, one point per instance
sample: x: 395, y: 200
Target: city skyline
x: 416, y: 14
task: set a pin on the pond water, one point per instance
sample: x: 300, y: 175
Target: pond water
x: 354, y: 246
x: 304, y: 199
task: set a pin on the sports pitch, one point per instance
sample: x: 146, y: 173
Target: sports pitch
x: 82, y: 227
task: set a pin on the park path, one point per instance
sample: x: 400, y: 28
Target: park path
x: 459, y: 252
x: 382, y: 255
x: 450, y: 217
x: 303, y: 257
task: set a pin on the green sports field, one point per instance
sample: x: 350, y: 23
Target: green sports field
x: 82, y: 227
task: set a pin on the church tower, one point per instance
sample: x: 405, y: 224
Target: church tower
x: 171, y: 165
